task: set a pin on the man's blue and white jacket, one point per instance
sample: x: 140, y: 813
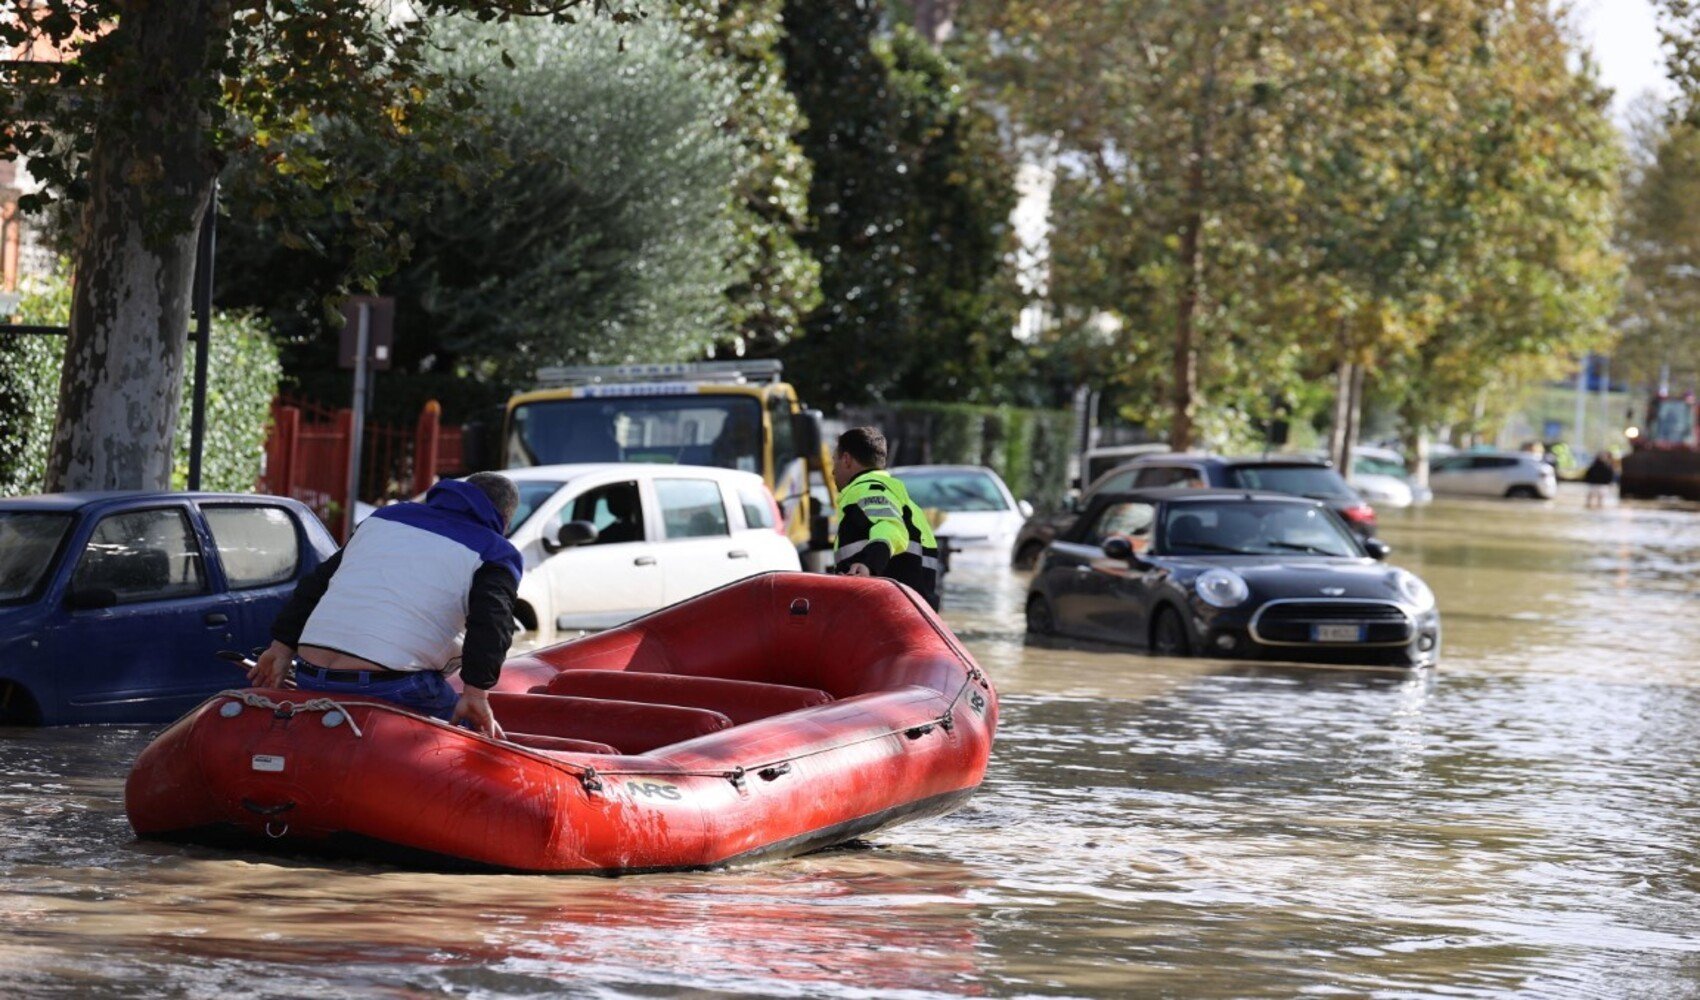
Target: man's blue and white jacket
x: 418, y: 587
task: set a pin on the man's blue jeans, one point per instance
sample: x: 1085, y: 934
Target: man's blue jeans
x: 426, y: 692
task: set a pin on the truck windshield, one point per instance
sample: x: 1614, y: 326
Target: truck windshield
x: 1673, y: 422
x: 718, y: 430
x: 28, y: 541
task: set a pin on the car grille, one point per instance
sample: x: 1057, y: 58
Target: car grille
x: 1290, y: 622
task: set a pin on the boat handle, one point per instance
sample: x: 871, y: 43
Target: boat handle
x: 772, y: 773
x: 644, y: 561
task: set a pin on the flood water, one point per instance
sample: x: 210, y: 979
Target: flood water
x: 1522, y: 821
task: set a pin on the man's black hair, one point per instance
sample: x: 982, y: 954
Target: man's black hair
x: 500, y: 491
x: 864, y: 444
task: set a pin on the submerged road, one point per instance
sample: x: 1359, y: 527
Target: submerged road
x: 1522, y: 821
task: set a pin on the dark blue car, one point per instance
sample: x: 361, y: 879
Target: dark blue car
x: 113, y: 606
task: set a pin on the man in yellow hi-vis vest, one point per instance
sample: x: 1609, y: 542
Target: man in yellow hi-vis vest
x: 880, y: 530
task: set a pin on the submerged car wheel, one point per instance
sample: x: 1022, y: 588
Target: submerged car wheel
x: 1039, y: 620
x: 1523, y: 493
x: 1168, y: 634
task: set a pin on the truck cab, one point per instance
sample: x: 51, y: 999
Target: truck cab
x: 730, y: 414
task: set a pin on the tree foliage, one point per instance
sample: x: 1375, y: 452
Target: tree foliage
x: 777, y: 283
x: 1680, y: 29
x: 908, y: 211
x: 595, y: 226
x: 1250, y: 193
x: 131, y: 109
x: 1660, y: 234
x: 243, y: 377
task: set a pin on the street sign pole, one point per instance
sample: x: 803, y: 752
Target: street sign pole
x: 205, y: 248
x: 362, y: 346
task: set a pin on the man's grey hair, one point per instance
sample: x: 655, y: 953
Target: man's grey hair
x: 500, y: 489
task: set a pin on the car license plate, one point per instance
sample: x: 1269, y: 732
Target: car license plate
x: 1337, y: 633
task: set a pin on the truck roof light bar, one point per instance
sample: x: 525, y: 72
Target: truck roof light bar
x: 754, y: 370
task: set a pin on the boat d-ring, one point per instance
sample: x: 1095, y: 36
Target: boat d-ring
x: 282, y: 829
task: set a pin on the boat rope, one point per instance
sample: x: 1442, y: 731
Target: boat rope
x: 286, y: 709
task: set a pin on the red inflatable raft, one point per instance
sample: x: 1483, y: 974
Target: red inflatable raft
x: 778, y: 715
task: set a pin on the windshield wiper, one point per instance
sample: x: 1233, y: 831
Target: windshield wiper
x: 1296, y: 547
x: 1212, y: 547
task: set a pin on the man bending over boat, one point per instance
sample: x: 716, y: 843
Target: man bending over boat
x: 880, y: 530
x: 420, y: 590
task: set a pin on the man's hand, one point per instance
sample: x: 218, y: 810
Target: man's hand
x: 858, y: 569
x: 474, y: 707
x: 272, y: 666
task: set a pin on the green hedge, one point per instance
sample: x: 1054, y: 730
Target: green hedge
x: 243, y: 374
x: 1028, y: 448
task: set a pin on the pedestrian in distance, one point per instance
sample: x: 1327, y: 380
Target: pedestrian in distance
x: 881, y: 532
x: 1601, y: 474
x: 420, y: 590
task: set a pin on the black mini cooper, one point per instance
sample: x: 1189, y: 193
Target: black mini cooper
x: 1232, y: 574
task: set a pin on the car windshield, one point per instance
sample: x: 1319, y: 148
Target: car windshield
x: 1253, y: 529
x: 1299, y: 480
x: 532, y: 494
x: 954, y: 490
x: 28, y: 541
x: 719, y: 430
x: 1377, y: 467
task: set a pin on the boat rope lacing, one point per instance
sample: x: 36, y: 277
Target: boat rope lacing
x: 287, y: 708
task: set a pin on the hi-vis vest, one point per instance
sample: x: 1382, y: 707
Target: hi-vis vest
x: 880, y: 527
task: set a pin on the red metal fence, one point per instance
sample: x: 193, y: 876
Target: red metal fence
x: 307, y: 453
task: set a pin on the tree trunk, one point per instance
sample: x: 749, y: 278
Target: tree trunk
x: 1354, y: 420
x: 1343, y: 375
x: 1185, y: 361
x: 150, y: 174
x: 935, y: 20
x: 1416, y: 446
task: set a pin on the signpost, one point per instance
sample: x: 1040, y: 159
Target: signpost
x: 368, y: 336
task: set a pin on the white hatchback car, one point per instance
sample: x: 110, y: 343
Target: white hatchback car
x: 1493, y: 474
x: 604, y: 544
x: 981, y: 515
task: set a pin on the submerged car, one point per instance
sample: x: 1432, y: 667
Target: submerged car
x: 115, y: 606
x: 1242, y: 575
x: 1294, y: 474
x: 1513, y: 474
x: 981, y: 515
x: 606, y: 543
x: 1291, y: 474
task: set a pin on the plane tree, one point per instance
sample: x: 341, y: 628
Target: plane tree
x: 129, y: 109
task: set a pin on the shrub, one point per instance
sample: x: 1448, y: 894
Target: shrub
x: 243, y: 373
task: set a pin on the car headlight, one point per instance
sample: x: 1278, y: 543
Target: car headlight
x: 1413, y: 589
x: 1221, y: 588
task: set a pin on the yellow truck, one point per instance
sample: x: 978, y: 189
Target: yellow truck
x: 730, y: 414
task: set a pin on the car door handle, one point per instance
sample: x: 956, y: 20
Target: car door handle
x: 644, y: 561
x: 737, y: 554
x: 216, y: 618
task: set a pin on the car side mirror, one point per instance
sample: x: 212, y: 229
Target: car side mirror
x: 1120, y: 547
x: 1377, y: 549
x: 1024, y: 507
x: 91, y: 599
x: 570, y: 534
x: 820, y: 525
x: 806, y: 431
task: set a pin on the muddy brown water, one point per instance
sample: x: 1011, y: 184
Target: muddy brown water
x: 1523, y: 821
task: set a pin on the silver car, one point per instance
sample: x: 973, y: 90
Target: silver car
x: 1513, y: 474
